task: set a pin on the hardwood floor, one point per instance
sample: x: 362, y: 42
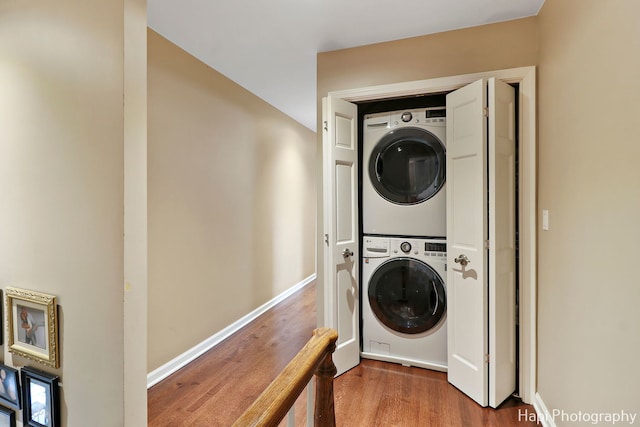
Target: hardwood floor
x: 217, y: 387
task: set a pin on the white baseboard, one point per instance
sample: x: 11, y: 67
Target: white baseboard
x: 190, y: 355
x: 544, y: 416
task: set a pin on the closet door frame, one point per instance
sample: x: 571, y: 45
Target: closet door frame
x: 525, y: 77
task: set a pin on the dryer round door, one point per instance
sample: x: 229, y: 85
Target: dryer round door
x: 407, y: 295
x: 407, y: 166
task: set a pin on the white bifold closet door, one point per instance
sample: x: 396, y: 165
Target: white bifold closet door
x: 481, y: 243
x: 340, y: 293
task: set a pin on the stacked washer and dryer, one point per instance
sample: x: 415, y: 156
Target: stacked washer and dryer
x: 404, y: 237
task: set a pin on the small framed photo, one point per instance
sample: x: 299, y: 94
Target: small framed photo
x: 32, y: 324
x: 9, y: 387
x: 7, y: 417
x: 41, y: 398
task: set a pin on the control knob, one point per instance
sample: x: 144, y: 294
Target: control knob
x: 406, y: 116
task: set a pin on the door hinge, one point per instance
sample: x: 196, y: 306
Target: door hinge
x: 485, y: 111
x: 326, y: 239
x: 487, y: 358
x: 487, y: 244
x: 326, y: 125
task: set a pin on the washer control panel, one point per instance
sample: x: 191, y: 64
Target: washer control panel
x: 406, y: 116
x: 396, y: 246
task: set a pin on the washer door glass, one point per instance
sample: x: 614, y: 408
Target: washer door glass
x: 407, y: 295
x: 407, y: 166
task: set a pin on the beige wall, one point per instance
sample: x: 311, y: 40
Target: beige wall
x: 231, y: 202
x: 61, y: 185
x: 491, y: 47
x: 589, y: 180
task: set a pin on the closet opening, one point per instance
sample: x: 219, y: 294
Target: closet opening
x: 426, y: 101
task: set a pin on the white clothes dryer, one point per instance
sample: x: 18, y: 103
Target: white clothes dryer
x: 404, y: 303
x: 403, y: 177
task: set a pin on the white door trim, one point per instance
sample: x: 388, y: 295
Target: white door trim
x: 526, y: 77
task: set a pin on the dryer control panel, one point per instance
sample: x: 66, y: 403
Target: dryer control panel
x: 432, y: 116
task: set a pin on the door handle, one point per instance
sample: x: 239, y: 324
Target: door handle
x: 462, y: 260
x: 347, y: 253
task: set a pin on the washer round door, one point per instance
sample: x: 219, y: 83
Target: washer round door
x: 407, y: 166
x: 407, y: 295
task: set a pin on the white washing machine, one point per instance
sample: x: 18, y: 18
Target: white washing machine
x: 403, y: 177
x: 404, y: 302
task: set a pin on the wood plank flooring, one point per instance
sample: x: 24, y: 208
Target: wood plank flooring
x: 217, y: 387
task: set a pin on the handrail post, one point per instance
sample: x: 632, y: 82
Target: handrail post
x: 324, y: 413
x: 279, y: 397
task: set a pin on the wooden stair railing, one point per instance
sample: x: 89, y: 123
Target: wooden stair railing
x: 270, y: 408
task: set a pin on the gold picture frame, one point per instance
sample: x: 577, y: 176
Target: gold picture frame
x: 32, y: 325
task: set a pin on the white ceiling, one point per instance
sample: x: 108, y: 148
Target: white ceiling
x: 270, y: 47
